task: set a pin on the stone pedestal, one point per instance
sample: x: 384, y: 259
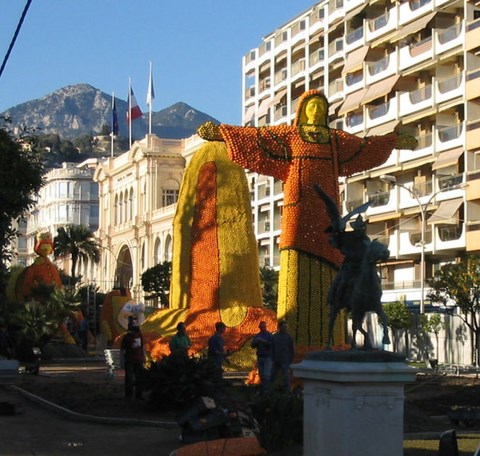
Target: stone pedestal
x: 353, y: 403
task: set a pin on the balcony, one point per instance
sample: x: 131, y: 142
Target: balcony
x: 381, y: 68
x: 335, y: 50
x: 335, y: 89
x: 355, y: 122
x: 413, y: 9
x: 450, y: 237
x: 446, y: 183
x: 317, y: 57
x: 380, y: 25
x: 449, y: 88
x: 448, y: 38
x: 336, y: 10
x: 449, y: 137
x: 411, y: 55
x: 382, y: 113
x: 298, y: 67
x: 378, y: 199
x: 416, y: 101
x: 249, y: 92
x: 354, y: 39
x: 281, y: 76
x: 353, y: 81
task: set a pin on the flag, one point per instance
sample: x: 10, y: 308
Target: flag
x: 151, y: 90
x: 114, y: 117
x: 135, y: 111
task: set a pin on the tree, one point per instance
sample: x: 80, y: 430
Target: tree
x: 433, y: 324
x: 21, y: 177
x: 399, y: 318
x: 459, y: 283
x: 78, y: 242
x: 156, y: 280
x: 38, y: 322
x: 269, y: 284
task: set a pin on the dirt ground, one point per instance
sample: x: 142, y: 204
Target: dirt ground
x: 89, y: 390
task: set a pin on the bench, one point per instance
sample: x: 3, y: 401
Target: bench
x: 112, y: 360
x: 9, y: 371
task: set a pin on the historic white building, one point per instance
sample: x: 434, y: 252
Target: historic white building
x: 69, y: 196
x: 138, y: 191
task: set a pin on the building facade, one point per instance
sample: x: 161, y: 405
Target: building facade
x: 410, y: 66
x: 69, y: 196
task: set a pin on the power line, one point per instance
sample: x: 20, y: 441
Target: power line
x: 15, y: 35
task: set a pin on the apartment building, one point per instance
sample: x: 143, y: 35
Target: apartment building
x: 138, y: 191
x: 412, y: 66
x: 69, y: 196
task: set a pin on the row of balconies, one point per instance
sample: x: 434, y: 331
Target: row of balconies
x: 396, y: 62
x: 372, y: 29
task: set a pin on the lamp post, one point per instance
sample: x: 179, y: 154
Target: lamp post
x: 423, y: 214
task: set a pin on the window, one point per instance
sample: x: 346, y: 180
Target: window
x: 169, y: 197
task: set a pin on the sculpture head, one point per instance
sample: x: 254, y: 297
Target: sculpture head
x: 312, y: 109
x: 44, y: 245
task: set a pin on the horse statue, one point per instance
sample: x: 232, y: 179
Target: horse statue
x: 357, y: 286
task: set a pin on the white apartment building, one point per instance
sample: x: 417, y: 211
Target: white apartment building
x: 413, y: 65
x: 138, y: 191
x: 69, y: 196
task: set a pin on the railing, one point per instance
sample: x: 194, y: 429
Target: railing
x: 354, y: 35
x: 379, y: 198
x: 473, y: 75
x: 449, y: 84
x: 378, y: 22
x: 354, y: 119
x: 422, y: 94
x: 449, y: 34
x: 335, y: 46
x: 422, y: 188
x: 317, y: 56
x: 354, y: 78
x: 449, y: 233
x: 425, y: 141
x: 379, y: 111
x: 447, y: 182
x: 473, y: 25
x: 417, y: 4
x: 378, y: 66
x: 449, y: 133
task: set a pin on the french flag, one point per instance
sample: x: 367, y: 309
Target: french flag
x: 134, y: 110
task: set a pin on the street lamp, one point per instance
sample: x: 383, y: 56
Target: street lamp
x: 392, y: 180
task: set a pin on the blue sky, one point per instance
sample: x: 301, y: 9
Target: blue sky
x: 196, y: 47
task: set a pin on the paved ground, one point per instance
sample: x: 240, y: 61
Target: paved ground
x: 37, y: 430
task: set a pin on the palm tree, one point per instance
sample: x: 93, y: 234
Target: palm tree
x: 78, y: 242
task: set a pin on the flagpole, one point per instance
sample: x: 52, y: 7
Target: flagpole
x: 113, y: 125
x: 150, y: 100
x: 130, y: 112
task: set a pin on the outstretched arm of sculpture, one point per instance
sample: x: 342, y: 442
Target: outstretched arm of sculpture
x: 405, y: 141
x: 210, y: 132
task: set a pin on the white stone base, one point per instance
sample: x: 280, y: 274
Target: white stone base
x: 353, y: 408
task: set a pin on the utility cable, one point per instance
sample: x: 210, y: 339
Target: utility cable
x: 15, y: 35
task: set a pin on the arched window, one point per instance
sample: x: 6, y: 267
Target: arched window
x: 120, y: 208
x: 157, y: 257
x: 130, y: 205
x: 116, y: 211
x: 168, y: 248
x: 170, y: 191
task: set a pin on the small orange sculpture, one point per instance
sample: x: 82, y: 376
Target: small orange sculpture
x: 41, y: 272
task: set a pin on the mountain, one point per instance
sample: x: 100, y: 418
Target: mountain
x: 82, y: 109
